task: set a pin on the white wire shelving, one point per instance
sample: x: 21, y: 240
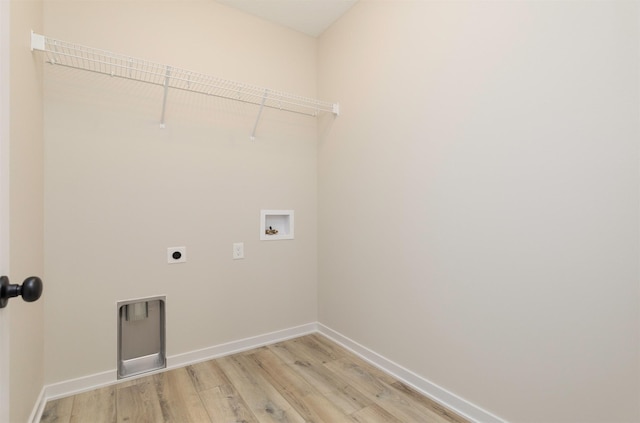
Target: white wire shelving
x: 116, y: 65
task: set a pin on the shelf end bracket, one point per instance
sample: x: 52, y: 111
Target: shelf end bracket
x: 37, y: 41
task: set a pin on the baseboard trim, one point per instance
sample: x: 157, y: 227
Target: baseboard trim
x: 430, y: 389
x: 36, y: 413
x: 181, y: 360
x: 100, y: 380
x: 424, y: 386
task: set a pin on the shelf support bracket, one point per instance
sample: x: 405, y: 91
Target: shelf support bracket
x: 37, y: 41
x: 164, y: 99
x: 255, y: 125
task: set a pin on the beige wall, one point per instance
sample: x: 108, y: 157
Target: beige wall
x: 478, y: 199
x: 120, y: 190
x: 26, y: 339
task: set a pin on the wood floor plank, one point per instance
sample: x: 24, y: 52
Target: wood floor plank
x: 219, y: 396
x: 179, y: 400
x: 138, y: 403
x: 207, y: 375
x: 264, y: 400
x: 97, y: 406
x: 447, y: 414
x: 225, y: 405
x: 303, y: 396
x: 319, y: 349
x: 340, y: 352
x: 374, y: 413
x: 385, y: 395
x: 326, y: 382
x: 58, y: 411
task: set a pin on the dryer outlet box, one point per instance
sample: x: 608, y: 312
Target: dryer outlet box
x: 176, y: 255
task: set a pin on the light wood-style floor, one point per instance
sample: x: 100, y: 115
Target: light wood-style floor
x: 307, y: 379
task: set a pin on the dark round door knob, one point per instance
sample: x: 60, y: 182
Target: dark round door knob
x: 31, y: 289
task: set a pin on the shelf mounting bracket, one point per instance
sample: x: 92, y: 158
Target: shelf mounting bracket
x: 37, y: 41
x: 255, y: 125
x: 164, y: 99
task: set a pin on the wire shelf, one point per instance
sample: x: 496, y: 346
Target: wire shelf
x: 104, y: 62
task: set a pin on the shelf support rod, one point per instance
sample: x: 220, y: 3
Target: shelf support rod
x: 164, y: 99
x: 255, y: 125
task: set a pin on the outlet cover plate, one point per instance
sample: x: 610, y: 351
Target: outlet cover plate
x: 176, y: 255
x: 238, y: 250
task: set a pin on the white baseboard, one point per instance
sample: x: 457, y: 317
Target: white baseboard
x: 100, y: 380
x: 424, y: 386
x: 233, y: 347
x: 433, y: 391
x: 36, y: 413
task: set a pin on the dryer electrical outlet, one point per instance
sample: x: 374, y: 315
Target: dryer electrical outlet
x: 176, y: 255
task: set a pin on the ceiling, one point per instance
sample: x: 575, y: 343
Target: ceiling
x: 311, y: 17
